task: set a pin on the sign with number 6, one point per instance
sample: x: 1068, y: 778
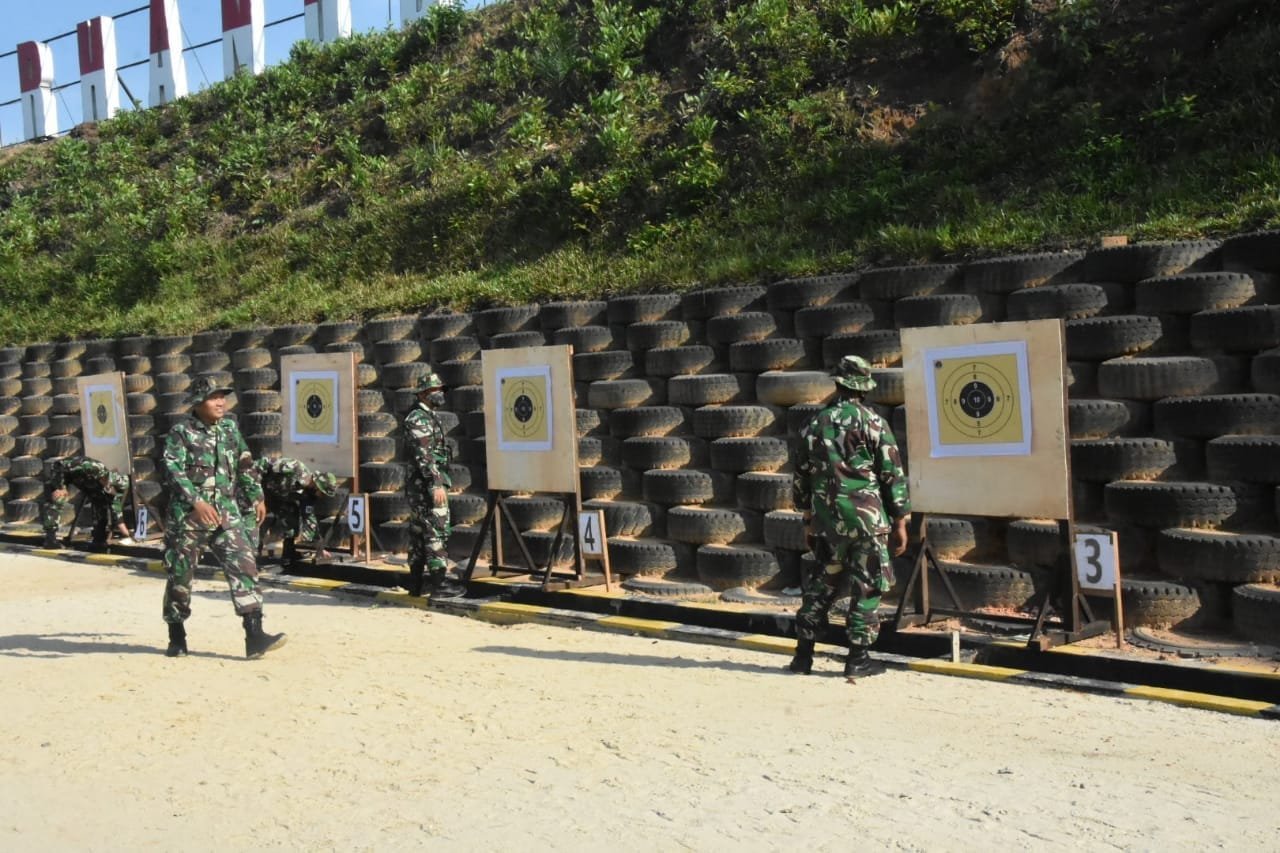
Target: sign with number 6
x: 140, y: 529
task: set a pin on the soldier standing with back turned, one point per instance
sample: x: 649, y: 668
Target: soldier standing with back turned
x: 427, y: 491
x: 849, y: 484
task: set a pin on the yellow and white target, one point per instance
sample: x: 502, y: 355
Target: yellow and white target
x: 313, y: 407
x: 104, y: 421
x: 524, y: 421
x: 979, y: 400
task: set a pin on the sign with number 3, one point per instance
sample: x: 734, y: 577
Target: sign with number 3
x: 1096, y: 562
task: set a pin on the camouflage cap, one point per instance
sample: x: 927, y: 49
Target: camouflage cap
x: 118, y: 482
x: 429, y: 381
x: 326, y: 484
x: 853, y: 372
x: 203, y: 388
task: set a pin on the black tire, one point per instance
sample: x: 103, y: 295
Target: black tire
x: 250, y: 357
x: 100, y: 364
x: 8, y: 424
x: 10, y: 405
x: 467, y: 509
x: 33, y: 424
x: 980, y: 585
x: 834, y: 318
x: 792, y: 387
x: 374, y: 424
x: 770, y: 354
x: 261, y: 423
x: 714, y: 301
x: 260, y: 401
x: 379, y: 449
x: 686, y: 487
x: 1169, y: 504
x: 35, y: 393
x: 17, y: 511
x: 444, y: 325
x: 1256, y: 612
x: 648, y: 421
x: 390, y: 328
x: 756, y: 453
x: 169, y: 383
x: 699, y: 525
x: 1057, y: 301
x: 1099, y: 338
x: 139, y: 404
x: 585, y: 338
x: 397, y: 351
x: 890, y: 387
x: 965, y: 538
x: 263, y: 445
x: 354, y: 347
x: 600, y: 482
x: 1136, y: 261
x: 1014, y: 272
x: 461, y: 373
x: 250, y: 337
x: 405, y: 374
x: 900, y: 282
x: 881, y: 347
x: 132, y: 345
x: 674, y: 590
x: 256, y: 378
x: 25, y: 488
x: 1211, y: 416
x: 1107, y: 418
x: 292, y: 334
x: 728, y: 329
x: 792, y: 294
x: 1218, y: 556
x: 1248, y: 458
x: 647, y: 453
x: 1103, y: 460
x: 534, y: 513
x: 34, y: 445
x: 764, y: 492
x: 736, y: 421
x: 942, y: 309
x: 453, y: 349
x: 665, y: 362
x: 1193, y: 292
x: 655, y: 334
x: 208, y: 362
x: 588, y: 422
x: 608, y: 364
x: 516, y: 340
x: 724, y: 567
x: 626, y: 393
x: 643, y: 308
x: 785, y: 529
x: 1151, y: 378
x: 629, y: 518
x: 554, y: 316
x: 1265, y: 371
x: 707, y: 389
x: 1154, y: 602
x: 1246, y: 329
x: 382, y: 476
x: 62, y: 368
x: 648, y: 557
x: 141, y: 445
x: 388, y: 506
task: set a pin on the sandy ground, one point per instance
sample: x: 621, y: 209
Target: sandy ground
x: 384, y: 728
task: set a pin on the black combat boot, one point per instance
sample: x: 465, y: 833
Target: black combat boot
x: 50, y: 539
x: 288, y: 552
x: 803, y: 661
x: 442, y: 586
x: 416, y: 579
x: 859, y: 664
x: 256, y: 641
x: 177, y: 641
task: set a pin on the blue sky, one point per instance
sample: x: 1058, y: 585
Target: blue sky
x: 24, y: 20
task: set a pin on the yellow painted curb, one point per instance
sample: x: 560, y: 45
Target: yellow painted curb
x: 315, y: 583
x: 404, y: 599
x: 153, y: 566
x: 650, y: 627
x: 106, y: 559
x: 766, y: 643
x: 1247, y: 707
x: 47, y: 552
x: 510, y: 613
x: 966, y: 670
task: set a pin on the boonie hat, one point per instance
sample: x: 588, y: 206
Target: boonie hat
x: 203, y: 388
x: 428, y: 381
x: 854, y: 372
x: 326, y: 483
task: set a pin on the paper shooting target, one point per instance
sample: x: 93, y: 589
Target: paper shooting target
x: 525, y: 412
x: 978, y: 400
x: 102, y: 416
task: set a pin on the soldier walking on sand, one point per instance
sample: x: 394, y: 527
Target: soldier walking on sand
x: 206, y: 468
x: 851, y: 488
x: 427, y: 491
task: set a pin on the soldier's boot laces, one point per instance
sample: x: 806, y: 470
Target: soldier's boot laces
x: 177, y: 640
x: 803, y: 660
x: 256, y: 641
x: 860, y: 664
x: 50, y: 539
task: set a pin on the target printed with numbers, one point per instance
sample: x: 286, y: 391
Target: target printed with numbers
x: 525, y: 418
x: 314, y: 406
x: 102, y: 416
x: 979, y: 400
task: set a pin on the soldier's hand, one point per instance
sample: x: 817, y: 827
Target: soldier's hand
x: 59, y: 494
x: 260, y: 510
x: 205, y: 514
x: 439, y: 496
x: 898, y: 537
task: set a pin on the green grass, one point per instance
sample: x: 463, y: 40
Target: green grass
x: 550, y: 149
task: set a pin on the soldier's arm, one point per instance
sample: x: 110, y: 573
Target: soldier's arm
x: 174, y: 463
x: 801, y: 482
x: 57, y: 475
x: 418, y: 438
x: 893, y: 480
x: 247, y: 483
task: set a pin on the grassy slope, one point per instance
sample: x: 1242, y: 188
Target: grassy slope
x: 566, y: 147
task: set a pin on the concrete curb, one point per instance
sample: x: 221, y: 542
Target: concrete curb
x: 499, y: 612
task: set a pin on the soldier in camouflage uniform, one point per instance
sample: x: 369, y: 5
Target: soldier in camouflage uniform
x: 290, y: 490
x: 206, y: 468
x: 850, y: 486
x: 427, y: 490
x: 103, y: 487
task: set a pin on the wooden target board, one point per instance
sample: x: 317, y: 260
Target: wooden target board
x: 531, y: 439
x: 104, y: 421
x: 320, y: 411
x: 986, y: 419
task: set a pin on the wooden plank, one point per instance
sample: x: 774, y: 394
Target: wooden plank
x: 530, y: 449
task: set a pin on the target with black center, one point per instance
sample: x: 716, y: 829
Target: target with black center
x: 978, y: 399
x: 524, y: 409
x: 314, y: 406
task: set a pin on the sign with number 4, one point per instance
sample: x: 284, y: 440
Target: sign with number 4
x: 591, y: 533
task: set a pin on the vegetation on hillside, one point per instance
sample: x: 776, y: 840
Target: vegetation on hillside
x: 545, y: 149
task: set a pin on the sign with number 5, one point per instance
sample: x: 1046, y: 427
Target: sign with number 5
x: 356, y: 513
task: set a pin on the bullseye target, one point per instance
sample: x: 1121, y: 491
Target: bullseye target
x: 979, y: 400
x: 313, y: 406
x: 525, y: 417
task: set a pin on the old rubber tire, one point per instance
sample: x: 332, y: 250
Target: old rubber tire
x: 1220, y: 556
x: 1256, y: 612
x: 647, y: 421
x: 1169, y: 504
x: 723, y: 567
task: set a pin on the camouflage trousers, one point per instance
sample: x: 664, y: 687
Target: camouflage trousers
x: 294, y: 519
x: 860, y: 569
x: 429, y: 530
x: 230, y: 547
x: 51, y: 510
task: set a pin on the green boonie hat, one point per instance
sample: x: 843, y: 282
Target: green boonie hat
x: 854, y: 372
x: 203, y: 388
x: 428, y: 381
x: 119, y: 482
x: 326, y: 484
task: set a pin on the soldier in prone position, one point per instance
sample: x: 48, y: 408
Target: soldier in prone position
x: 207, y: 471
x: 850, y: 486
x: 427, y: 491
x: 290, y: 489
x: 104, y: 488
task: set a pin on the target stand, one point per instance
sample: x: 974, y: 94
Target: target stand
x: 987, y: 432
x: 549, y: 575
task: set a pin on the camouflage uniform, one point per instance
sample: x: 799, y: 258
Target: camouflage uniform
x: 86, y: 475
x: 429, y: 458
x: 208, y: 462
x: 286, y: 487
x: 849, y: 476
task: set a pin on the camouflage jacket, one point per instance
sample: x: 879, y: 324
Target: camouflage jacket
x: 86, y: 475
x: 281, y: 479
x: 849, y: 473
x: 428, y: 452
x: 210, y: 463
